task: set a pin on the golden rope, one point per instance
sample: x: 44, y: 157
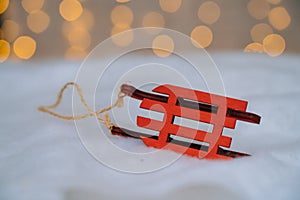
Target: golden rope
x: 106, y: 121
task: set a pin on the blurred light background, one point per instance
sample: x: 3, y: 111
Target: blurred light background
x: 69, y: 29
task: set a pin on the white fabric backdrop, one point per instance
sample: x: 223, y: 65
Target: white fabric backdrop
x: 41, y: 157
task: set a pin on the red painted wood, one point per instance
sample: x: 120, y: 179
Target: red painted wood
x: 215, y: 139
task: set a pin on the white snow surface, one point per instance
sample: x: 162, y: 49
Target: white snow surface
x: 41, y: 157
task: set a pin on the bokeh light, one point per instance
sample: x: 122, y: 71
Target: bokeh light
x: 260, y: 31
x: 121, y: 16
x: 4, y: 50
x: 75, y: 53
x: 32, y: 5
x: 70, y: 10
x: 3, y: 5
x: 254, y: 47
x: 209, y: 12
x: 153, y: 19
x: 258, y: 9
x: 1, y: 33
x: 274, y: 45
x: 10, y: 30
x: 38, y: 21
x: 67, y: 28
x: 170, y: 6
x: 86, y: 20
x: 201, y: 36
x: 122, y: 1
x: 163, y: 45
x: 121, y: 38
x: 79, y: 37
x: 279, y: 18
x: 24, y: 47
x: 275, y: 2
x: 79, y: 25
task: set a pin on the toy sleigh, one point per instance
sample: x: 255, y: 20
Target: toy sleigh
x: 173, y: 101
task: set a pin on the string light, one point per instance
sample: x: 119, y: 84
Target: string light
x: 75, y: 53
x: 153, y: 19
x: 3, y: 5
x: 170, y: 6
x: 121, y: 38
x: 1, y: 33
x: 4, y: 50
x: 258, y: 9
x: 209, y: 12
x: 262, y: 34
x: 279, y: 18
x: 76, y: 31
x: 24, y: 47
x: 201, y: 36
x: 275, y: 2
x: 274, y: 45
x: 78, y: 23
x: 79, y: 37
x: 254, y: 47
x: 66, y: 28
x: 10, y: 30
x: 86, y: 20
x: 163, y: 45
x: 260, y: 31
x: 70, y: 10
x: 38, y: 21
x: 121, y: 16
x: 32, y: 5
x: 122, y: 1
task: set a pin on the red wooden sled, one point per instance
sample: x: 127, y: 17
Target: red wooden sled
x: 194, y: 105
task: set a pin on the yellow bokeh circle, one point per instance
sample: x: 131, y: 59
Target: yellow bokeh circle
x: 275, y: 2
x: 163, y: 45
x: 279, y: 18
x: 209, y: 12
x: 32, y: 5
x: 10, y: 30
x: 254, y: 47
x: 24, y: 47
x: 4, y: 50
x: 260, y: 31
x: 201, y: 36
x: 79, y: 37
x: 122, y: 1
x: 122, y: 36
x: 70, y: 10
x: 170, y: 6
x: 153, y: 19
x: 86, y: 20
x: 274, y: 45
x: 38, y: 21
x: 75, y: 53
x: 3, y: 5
x: 258, y: 9
x: 121, y: 16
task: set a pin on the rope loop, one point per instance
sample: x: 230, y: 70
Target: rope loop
x: 105, y: 121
